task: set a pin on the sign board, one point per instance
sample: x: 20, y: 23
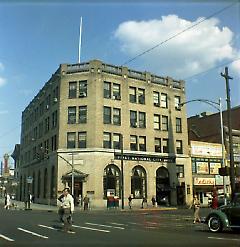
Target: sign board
x: 204, y: 181
x: 110, y: 192
x: 29, y: 179
x: 206, y: 150
x: 202, y: 167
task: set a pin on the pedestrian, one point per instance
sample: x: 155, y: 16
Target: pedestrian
x: 196, y: 206
x: 86, y: 202
x: 68, y: 208
x: 7, y: 201
x: 153, y: 201
x: 130, y: 201
x: 144, y: 202
x: 60, y: 209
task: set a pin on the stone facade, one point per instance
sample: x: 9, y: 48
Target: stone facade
x: 75, y: 124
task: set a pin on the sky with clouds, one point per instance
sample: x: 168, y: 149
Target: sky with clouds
x: 36, y: 37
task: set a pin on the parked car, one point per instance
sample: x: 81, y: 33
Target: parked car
x: 226, y: 216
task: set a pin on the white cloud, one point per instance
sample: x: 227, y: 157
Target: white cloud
x: 189, y: 53
x: 2, y: 81
x: 1, y: 66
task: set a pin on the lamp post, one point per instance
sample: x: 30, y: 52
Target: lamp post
x: 122, y: 178
x: 218, y: 106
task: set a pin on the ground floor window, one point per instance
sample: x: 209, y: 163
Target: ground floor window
x: 138, y: 182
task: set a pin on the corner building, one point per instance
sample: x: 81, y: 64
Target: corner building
x: 75, y: 123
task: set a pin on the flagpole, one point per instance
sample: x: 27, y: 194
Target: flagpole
x: 80, y: 41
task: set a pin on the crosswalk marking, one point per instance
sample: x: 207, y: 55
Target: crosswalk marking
x: 33, y: 233
x: 231, y: 239
x: 6, y: 238
x: 94, y: 224
x: 48, y: 227
x: 92, y: 229
x: 117, y: 224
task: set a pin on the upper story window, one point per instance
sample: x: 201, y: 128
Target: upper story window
x: 54, y: 119
x: 47, y: 124
x: 72, y: 93
x: 179, y: 147
x: 141, y: 96
x: 142, y: 119
x: 71, y: 140
x: 132, y: 95
x: 165, y: 123
x: 180, y: 171
x: 133, y: 119
x: 116, y: 116
x: 107, y: 140
x: 165, y: 145
x: 82, y: 114
x: 177, y: 101
x: 142, y: 143
x: 82, y: 139
x: 156, y: 99
x: 164, y: 103
x: 157, y: 122
x: 157, y: 143
x: 133, y: 143
x: 106, y: 115
x: 107, y: 90
x: 72, y: 114
x: 82, y: 89
x: 178, y: 125
x: 116, y: 141
x: 116, y: 91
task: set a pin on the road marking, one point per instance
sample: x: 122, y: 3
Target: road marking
x: 232, y: 239
x: 6, y: 238
x: 92, y: 229
x: 116, y: 227
x: 49, y: 227
x: 118, y: 224
x: 33, y: 233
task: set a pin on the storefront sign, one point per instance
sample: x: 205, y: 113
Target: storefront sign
x: 202, y: 167
x: 204, y: 181
x: 205, y: 150
x: 214, y: 168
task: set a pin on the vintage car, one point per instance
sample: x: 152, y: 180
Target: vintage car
x: 226, y: 216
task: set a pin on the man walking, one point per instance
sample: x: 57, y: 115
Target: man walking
x: 68, y: 208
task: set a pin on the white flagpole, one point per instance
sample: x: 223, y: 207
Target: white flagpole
x: 80, y: 41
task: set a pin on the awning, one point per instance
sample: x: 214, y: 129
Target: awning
x: 78, y: 175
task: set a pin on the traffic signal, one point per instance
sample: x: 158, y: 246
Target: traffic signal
x: 224, y: 171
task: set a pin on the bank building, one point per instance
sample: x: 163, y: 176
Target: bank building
x: 102, y: 129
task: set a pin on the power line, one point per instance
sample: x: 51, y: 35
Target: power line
x: 177, y: 34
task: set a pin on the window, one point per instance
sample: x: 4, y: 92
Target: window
x: 156, y: 99
x: 71, y: 140
x: 133, y: 143
x: 179, y: 148
x: 178, y: 125
x: 72, y: 93
x: 142, y: 119
x: 46, y: 147
x: 116, y: 116
x: 180, y: 171
x: 156, y: 119
x: 54, y: 142
x: 138, y: 182
x: 164, y: 103
x: 82, y: 114
x: 106, y: 115
x: 116, y: 141
x: 133, y: 119
x: 164, y: 122
x: 142, y: 143
x: 111, y: 180
x: 165, y: 145
x: 82, y: 139
x: 157, y: 143
x: 106, y: 140
x: 54, y: 119
x: 177, y: 101
x: 47, y: 124
x: 107, y: 90
x: 132, y: 95
x: 82, y: 89
x: 116, y: 91
x: 141, y: 96
x: 71, y: 114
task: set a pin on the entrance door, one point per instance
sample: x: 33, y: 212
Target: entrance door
x: 162, y: 186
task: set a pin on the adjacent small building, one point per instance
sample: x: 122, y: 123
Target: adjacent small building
x: 74, y: 126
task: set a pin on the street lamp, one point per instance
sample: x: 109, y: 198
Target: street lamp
x: 218, y: 106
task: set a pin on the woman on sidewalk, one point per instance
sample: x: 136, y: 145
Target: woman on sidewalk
x: 196, y: 206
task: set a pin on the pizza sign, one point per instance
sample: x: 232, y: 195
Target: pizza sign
x: 204, y: 181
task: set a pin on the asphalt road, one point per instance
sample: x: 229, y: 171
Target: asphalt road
x: 109, y: 228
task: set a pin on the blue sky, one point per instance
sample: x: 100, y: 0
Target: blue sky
x: 36, y: 37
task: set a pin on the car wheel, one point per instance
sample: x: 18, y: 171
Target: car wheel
x: 215, y: 224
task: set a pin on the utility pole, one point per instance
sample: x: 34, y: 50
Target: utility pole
x: 232, y: 174
x: 122, y: 178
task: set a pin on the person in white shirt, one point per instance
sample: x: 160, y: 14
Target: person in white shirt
x: 68, y: 209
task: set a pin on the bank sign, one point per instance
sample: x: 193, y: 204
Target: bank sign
x: 204, y: 181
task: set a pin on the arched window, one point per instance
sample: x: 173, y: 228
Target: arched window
x: 111, y: 180
x: 39, y: 184
x: 52, y: 187
x: 162, y: 186
x: 45, y: 185
x: 139, y: 182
